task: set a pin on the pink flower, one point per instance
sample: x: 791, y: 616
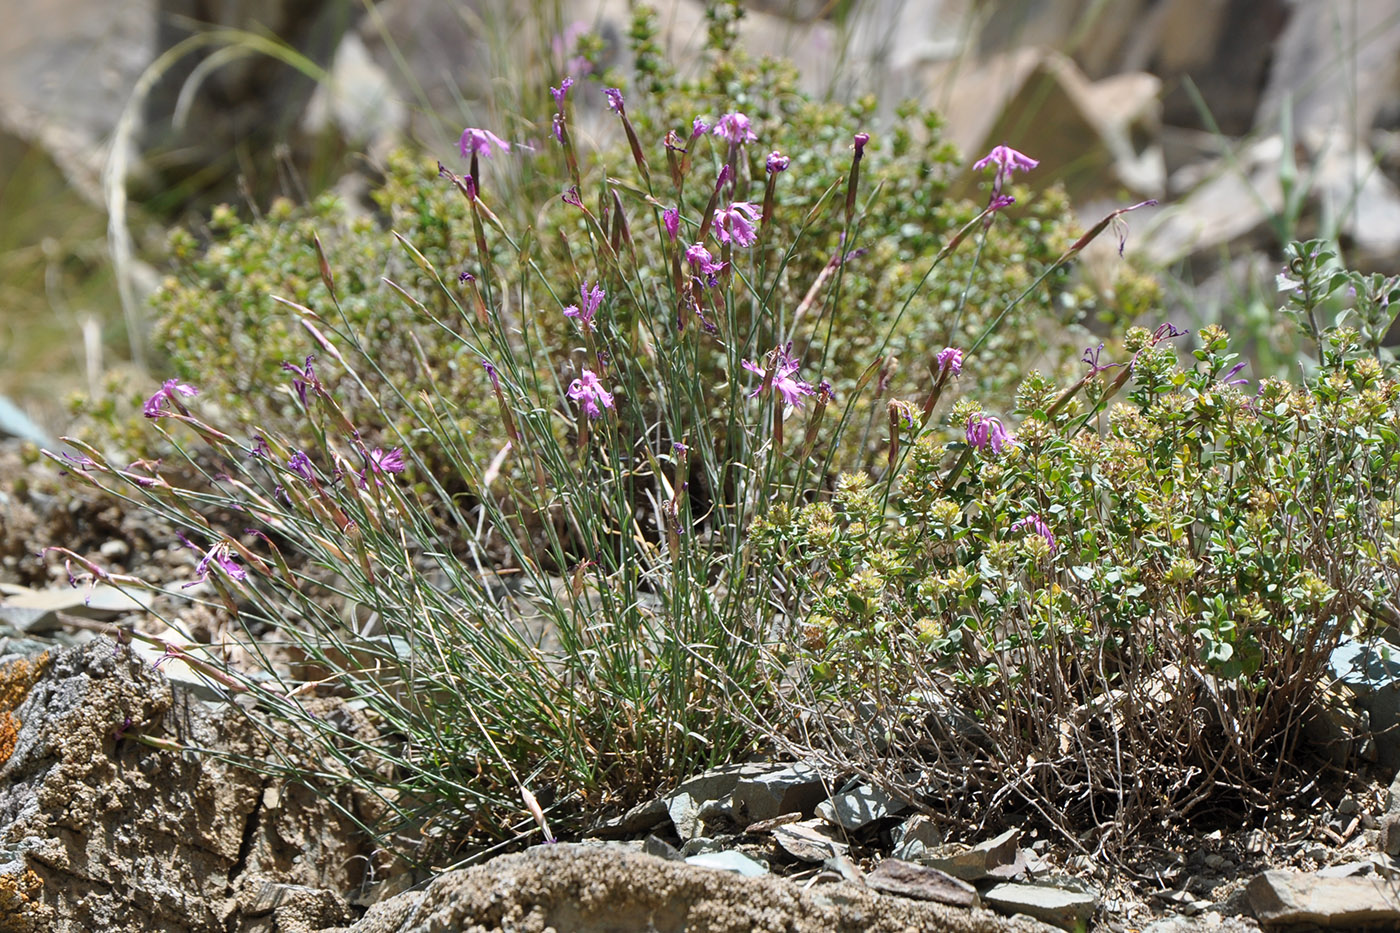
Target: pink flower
x: 672, y: 218
x: 735, y: 128
x: 737, y: 222
x: 1008, y: 161
x: 704, y: 264
x: 382, y: 462
x: 988, y: 434
x: 1036, y: 524
x: 615, y: 101
x: 776, y: 162
x: 698, y: 127
x: 479, y: 142
x: 155, y: 405
x: 216, y: 556
x: 590, y: 394
x: 591, y: 299
x: 784, y: 369
x: 560, y: 92
x: 950, y: 359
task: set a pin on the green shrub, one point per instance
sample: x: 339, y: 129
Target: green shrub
x: 1124, y: 616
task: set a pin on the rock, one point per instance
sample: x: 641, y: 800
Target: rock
x: 1317, y: 58
x: 855, y: 809
x: 793, y: 789
x: 1350, y: 188
x: 1085, y: 134
x: 1388, y: 839
x: 809, y: 841
x: 15, y: 423
x: 1069, y: 910
x: 1370, y: 669
x: 358, y: 100
x: 916, y: 838
x: 737, y: 862
x: 85, y: 810
x: 1281, y: 898
x: 565, y: 887
x: 921, y: 882
x: 34, y: 611
x: 1334, y: 729
x: 973, y: 863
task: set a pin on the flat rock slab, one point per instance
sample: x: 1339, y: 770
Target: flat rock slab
x: 858, y: 807
x: 1290, y: 898
x: 919, y: 881
x: 606, y: 890
x: 1064, y: 908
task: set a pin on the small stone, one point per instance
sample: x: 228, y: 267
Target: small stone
x: 1317, y: 852
x: 1215, y: 860
x: 1388, y: 839
x: 1348, y: 805
x: 737, y: 862
x: 809, y: 841
x: 115, y: 549
x: 1289, y: 897
x: 793, y: 789
x: 973, y: 863
x: 855, y: 809
x: 1070, y: 910
x: 921, y: 882
x: 916, y: 838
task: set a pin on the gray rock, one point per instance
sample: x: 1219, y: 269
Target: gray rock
x: 922, y: 882
x: 810, y: 841
x: 793, y: 789
x: 1370, y: 669
x: 542, y: 889
x: 1069, y: 910
x: 85, y: 810
x: 856, y: 808
x: 1287, y: 897
x: 737, y: 862
x: 916, y: 838
x: 35, y: 611
x: 15, y: 423
x: 973, y: 863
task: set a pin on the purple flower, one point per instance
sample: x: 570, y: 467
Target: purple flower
x: 615, y: 101
x: 736, y: 222
x: 560, y: 92
x: 988, y: 434
x: 777, y: 162
x: 219, y: 556
x: 591, y: 299
x: 558, y: 129
x: 302, y: 377
x: 590, y: 394
x: 860, y: 140
x: 672, y: 218
x: 1036, y: 524
x: 950, y: 359
x: 492, y: 372
x: 573, y: 197
x: 784, y: 369
x: 704, y: 264
x: 1227, y: 381
x: 260, y: 448
x: 155, y: 405
x: 382, y: 462
x: 465, y: 277
x: 735, y: 128
x: 300, y: 464
x: 698, y: 127
x: 479, y: 142
x: 1008, y: 161
x: 386, y: 462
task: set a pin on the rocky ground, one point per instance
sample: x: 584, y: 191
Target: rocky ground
x: 111, y: 820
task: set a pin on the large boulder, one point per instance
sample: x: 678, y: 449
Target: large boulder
x: 101, y: 831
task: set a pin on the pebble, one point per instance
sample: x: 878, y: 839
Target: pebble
x: 114, y: 549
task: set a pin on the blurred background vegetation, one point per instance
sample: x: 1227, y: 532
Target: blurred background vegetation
x: 1254, y: 122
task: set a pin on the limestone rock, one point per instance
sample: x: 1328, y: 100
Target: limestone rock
x: 793, y: 789
x: 1286, y: 897
x: 1064, y: 908
x: 921, y: 882
x: 581, y: 890
x: 102, y: 832
x: 856, y: 808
